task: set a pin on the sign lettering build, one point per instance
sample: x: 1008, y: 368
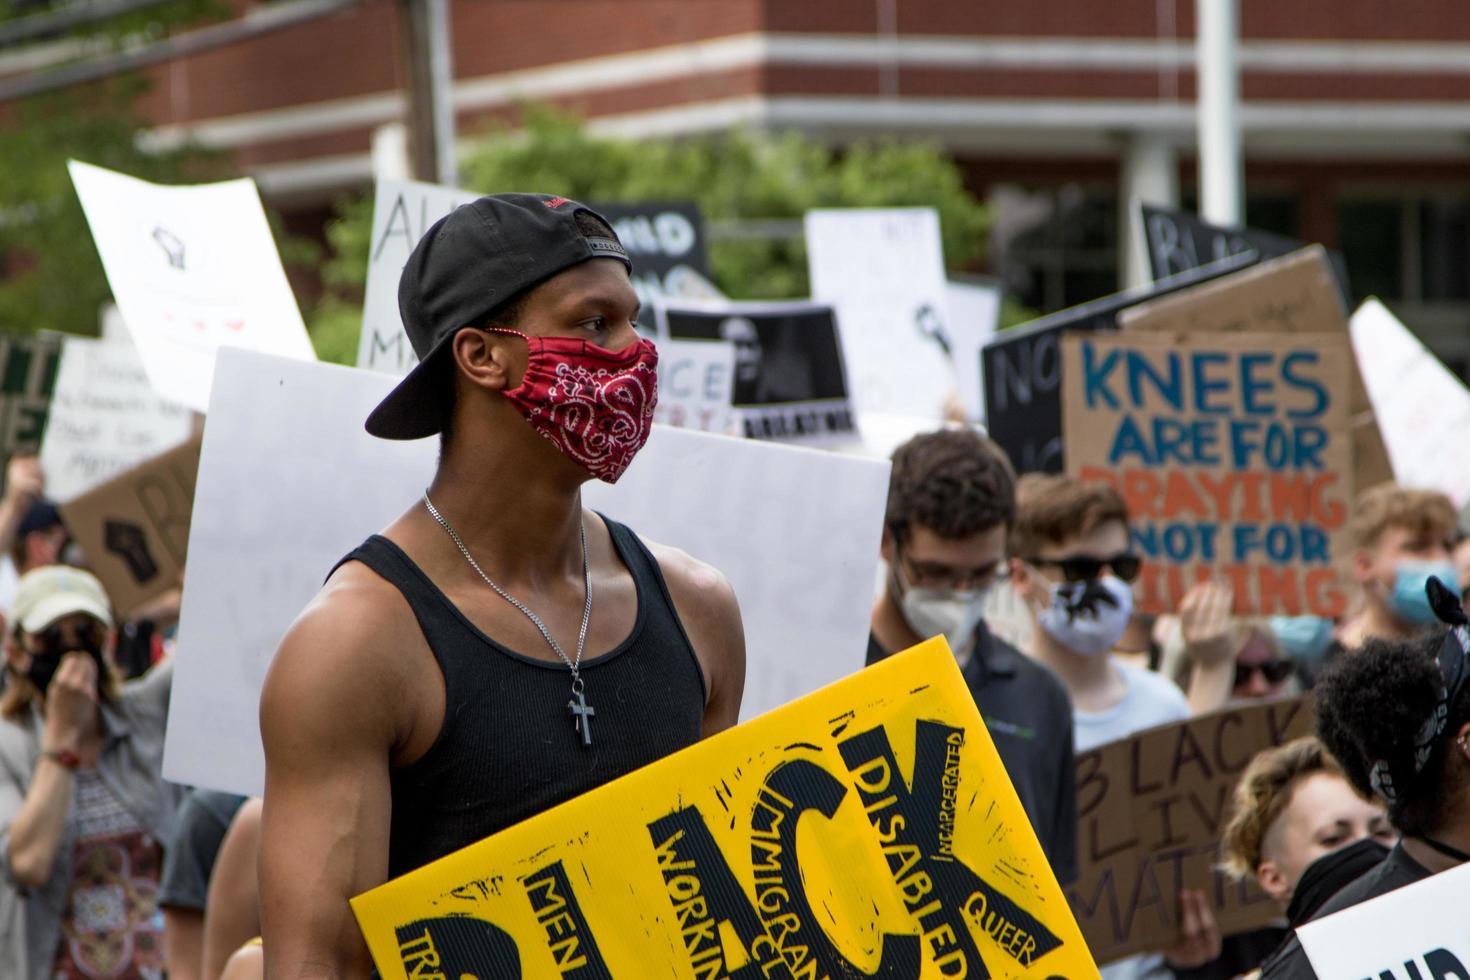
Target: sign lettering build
x: 1151, y: 809
x: 866, y: 830
x: 1232, y: 453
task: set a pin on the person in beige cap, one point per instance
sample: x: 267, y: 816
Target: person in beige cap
x: 83, y: 806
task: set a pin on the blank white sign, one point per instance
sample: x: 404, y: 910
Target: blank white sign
x: 289, y: 483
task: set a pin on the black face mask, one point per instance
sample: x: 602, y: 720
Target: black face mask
x: 55, y: 644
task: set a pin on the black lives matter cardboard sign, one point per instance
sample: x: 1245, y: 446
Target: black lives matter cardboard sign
x: 1150, y: 812
x: 134, y: 529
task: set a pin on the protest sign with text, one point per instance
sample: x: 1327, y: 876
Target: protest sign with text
x: 105, y: 417
x: 883, y: 270
x: 789, y: 381
x: 666, y: 243
x: 1422, y: 408
x: 1415, y: 933
x: 28, y: 369
x: 193, y: 269
x: 134, y: 529
x: 695, y: 379
x: 1294, y: 294
x: 1021, y: 369
x: 974, y: 315
x: 799, y: 557
x: 867, y: 830
x: 1232, y: 454
x: 402, y: 211
x: 1151, y: 809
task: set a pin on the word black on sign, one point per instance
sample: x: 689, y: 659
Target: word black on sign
x: 666, y: 244
x: 1022, y: 368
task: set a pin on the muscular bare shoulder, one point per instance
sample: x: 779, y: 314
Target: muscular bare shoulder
x: 344, y: 656
x: 710, y: 612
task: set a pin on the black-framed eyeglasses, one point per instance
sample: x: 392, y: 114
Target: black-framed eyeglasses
x: 933, y: 575
x: 1085, y: 568
x: 1274, y: 671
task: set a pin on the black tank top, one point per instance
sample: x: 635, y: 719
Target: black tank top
x: 507, y: 749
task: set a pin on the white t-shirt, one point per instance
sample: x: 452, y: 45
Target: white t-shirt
x: 1149, y: 699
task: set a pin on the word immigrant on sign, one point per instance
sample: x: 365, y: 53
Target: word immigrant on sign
x: 867, y: 830
x: 1232, y: 453
x: 1150, y: 812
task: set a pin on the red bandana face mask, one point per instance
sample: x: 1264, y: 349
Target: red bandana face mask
x: 593, y: 404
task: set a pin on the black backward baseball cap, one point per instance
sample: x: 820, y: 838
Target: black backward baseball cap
x: 469, y: 262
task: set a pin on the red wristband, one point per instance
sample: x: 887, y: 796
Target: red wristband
x: 66, y: 758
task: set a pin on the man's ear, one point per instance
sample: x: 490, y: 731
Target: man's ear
x: 1020, y: 574
x: 1462, y: 741
x: 489, y: 360
x: 1272, y: 881
x: 886, y: 546
x: 1362, y: 565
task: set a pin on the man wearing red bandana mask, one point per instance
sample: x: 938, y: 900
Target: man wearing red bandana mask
x: 499, y: 648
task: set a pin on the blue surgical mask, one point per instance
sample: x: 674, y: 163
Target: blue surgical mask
x: 1304, y: 639
x: 1409, y: 602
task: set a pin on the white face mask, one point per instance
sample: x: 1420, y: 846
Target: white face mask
x: 953, y: 614
x: 1088, y: 617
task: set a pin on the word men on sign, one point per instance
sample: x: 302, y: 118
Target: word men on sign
x: 1232, y: 453
x: 866, y: 830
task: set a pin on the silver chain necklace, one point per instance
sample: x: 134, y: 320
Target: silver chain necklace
x: 578, y: 708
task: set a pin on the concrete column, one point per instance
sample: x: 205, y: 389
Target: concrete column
x: 1149, y: 174
x: 1221, y: 172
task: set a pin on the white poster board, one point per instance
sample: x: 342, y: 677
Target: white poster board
x: 796, y: 531
x: 105, y: 417
x: 974, y: 315
x: 694, y: 385
x: 883, y: 269
x: 1417, y: 931
x: 402, y: 211
x: 1423, y: 410
x: 193, y: 269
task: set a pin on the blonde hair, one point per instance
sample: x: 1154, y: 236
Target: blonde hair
x: 1420, y: 512
x: 1052, y: 508
x: 1264, y: 791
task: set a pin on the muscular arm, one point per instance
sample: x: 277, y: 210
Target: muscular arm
x: 329, y: 722
x: 711, y: 615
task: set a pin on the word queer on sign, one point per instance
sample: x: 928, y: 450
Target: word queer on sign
x: 1232, y: 454
x: 1414, y: 933
x: 134, y: 529
x: 866, y: 830
x: 1150, y: 812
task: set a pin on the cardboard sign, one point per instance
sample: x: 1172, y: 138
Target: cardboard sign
x: 974, y: 314
x: 867, y: 830
x: 1415, y: 933
x: 402, y: 211
x: 28, y: 368
x: 193, y: 269
x: 666, y: 242
x: 883, y: 270
x: 789, y: 378
x: 799, y: 557
x: 1294, y: 294
x: 1022, y: 369
x: 1178, y: 241
x: 134, y: 529
x: 1422, y: 408
x: 105, y: 417
x: 1231, y: 452
x: 1151, y: 809
x: 695, y: 379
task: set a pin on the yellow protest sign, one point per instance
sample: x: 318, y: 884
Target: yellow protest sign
x: 868, y: 829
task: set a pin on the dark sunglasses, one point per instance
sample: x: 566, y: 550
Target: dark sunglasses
x: 1275, y: 671
x: 1085, y: 568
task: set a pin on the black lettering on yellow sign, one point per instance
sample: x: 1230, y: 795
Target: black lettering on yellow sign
x: 915, y: 824
x: 456, y: 947
x: 568, y: 937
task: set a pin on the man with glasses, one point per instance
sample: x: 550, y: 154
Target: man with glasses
x: 1073, y: 566
x: 951, y: 503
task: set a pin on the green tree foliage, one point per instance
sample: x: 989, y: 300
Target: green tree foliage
x: 737, y: 176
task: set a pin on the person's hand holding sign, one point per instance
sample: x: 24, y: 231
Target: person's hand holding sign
x: 1199, y: 937
x: 24, y: 479
x: 1209, y: 644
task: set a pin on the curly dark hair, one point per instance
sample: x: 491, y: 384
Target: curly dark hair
x: 954, y: 482
x: 1371, y: 704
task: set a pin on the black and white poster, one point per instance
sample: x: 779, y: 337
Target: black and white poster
x: 789, y: 380
x: 666, y: 241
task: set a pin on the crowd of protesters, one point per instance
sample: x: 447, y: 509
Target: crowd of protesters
x: 106, y: 870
